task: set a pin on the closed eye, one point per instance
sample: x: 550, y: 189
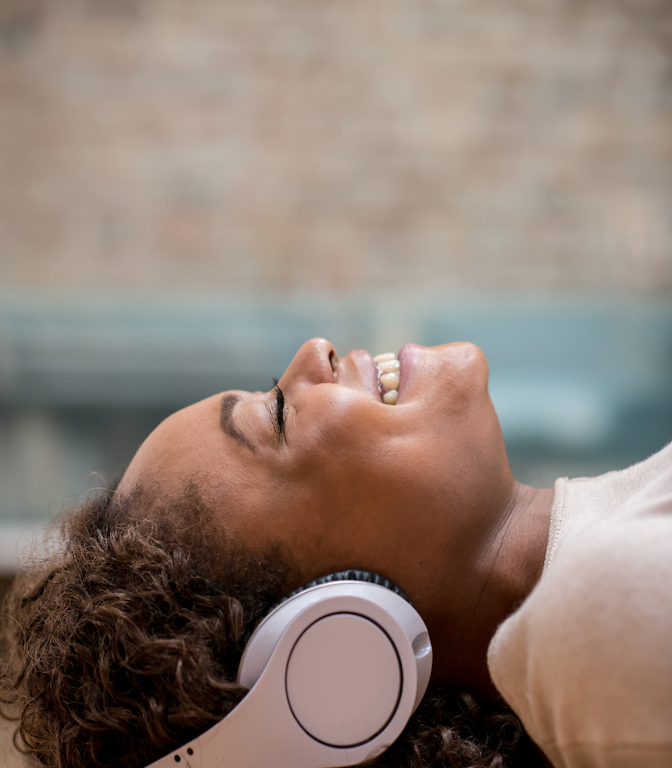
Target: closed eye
x: 279, y: 411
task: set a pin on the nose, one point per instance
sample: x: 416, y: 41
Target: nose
x: 313, y: 364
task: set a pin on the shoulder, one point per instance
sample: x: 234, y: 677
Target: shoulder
x: 587, y: 659
x: 584, y: 501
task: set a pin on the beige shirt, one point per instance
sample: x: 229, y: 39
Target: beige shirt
x: 586, y: 661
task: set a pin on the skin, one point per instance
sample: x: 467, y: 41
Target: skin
x: 420, y: 492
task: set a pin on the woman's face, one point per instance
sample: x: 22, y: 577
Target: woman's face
x: 350, y: 482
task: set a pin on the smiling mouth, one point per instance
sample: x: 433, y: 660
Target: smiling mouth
x: 389, y: 376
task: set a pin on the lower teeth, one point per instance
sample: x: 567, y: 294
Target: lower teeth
x: 390, y: 397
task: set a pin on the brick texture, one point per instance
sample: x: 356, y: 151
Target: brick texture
x: 336, y: 146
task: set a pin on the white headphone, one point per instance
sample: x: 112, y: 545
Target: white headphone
x: 335, y: 672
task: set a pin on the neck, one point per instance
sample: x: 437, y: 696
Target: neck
x: 503, y: 572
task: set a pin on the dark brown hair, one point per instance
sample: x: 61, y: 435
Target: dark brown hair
x: 125, y: 642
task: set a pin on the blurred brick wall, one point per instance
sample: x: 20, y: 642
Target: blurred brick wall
x: 339, y: 146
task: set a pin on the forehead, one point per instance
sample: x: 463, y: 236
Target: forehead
x: 185, y: 446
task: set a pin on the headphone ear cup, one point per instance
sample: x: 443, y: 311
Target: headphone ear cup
x: 343, y: 680
x: 334, y: 674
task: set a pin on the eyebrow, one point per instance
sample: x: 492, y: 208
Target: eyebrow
x: 226, y: 420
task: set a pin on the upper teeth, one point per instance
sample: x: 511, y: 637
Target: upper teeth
x: 388, y: 376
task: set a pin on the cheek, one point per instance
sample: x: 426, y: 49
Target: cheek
x: 358, y: 469
x: 343, y: 453
x: 354, y: 454
x: 339, y: 423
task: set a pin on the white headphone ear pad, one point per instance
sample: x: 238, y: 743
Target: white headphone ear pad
x: 343, y: 680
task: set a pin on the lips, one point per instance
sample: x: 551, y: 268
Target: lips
x: 408, y: 356
x: 382, y: 374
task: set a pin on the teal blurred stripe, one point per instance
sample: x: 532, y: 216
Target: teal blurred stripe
x: 156, y: 352
x: 580, y: 385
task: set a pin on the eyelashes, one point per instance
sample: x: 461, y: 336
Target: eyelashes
x: 279, y: 410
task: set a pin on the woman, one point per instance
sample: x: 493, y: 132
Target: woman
x: 127, y: 642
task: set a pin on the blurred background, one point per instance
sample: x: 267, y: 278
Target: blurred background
x: 189, y: 189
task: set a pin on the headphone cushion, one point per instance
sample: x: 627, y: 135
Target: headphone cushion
x: 353, y: 574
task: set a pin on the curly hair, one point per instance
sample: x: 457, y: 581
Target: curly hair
x: 125, y: 643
